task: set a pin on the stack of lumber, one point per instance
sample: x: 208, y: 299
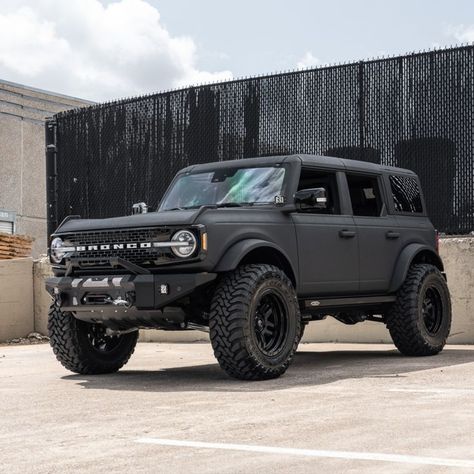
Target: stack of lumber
x: 14, y: 246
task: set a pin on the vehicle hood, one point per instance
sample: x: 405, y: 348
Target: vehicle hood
x: 151, y: 219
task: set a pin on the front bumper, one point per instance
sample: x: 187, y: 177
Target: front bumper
x: 119, y: 296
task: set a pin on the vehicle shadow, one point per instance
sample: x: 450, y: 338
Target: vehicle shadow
x: 308, y: 369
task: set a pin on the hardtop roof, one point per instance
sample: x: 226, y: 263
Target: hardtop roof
x: 305, y: 159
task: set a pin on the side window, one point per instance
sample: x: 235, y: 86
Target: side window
x: 406, y: 194
x: 320, y: 179
x: 365, y: 195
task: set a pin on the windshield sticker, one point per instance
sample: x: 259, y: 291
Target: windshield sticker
x: 279, y: 200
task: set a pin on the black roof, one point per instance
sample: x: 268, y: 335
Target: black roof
x: 319, y: 160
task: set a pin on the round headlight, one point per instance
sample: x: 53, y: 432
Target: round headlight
x: 185, y: 243
x: 57, y: 252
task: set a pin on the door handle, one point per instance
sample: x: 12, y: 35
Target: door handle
x: 392, y: 235
x: 346, y: 234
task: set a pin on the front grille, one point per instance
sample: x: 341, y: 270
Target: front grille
x: 140, y: 256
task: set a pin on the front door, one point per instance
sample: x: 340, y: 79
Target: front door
x: 327, y: 241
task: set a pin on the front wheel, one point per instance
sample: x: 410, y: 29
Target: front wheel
x: 86, y: 348
x: 255, y: 323
x: 420, y: 319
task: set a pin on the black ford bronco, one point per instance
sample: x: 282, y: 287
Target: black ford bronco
x: 251, y: 251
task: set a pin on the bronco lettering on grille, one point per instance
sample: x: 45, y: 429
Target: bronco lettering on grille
x: 132, y: 245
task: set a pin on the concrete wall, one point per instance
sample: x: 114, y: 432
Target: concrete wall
x: 17, y: 303
x: 458, y: 258
x: 42, y: 300
x: 16, y: 298
x: 22, y: 155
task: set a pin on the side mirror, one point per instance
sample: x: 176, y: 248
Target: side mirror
x: 314, y: 198
x: 139, y: 208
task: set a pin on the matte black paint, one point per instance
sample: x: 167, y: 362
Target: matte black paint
x: 329, y: 255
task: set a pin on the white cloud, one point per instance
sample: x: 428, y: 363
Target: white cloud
x: 96, y: 51
x: 308, y: 60
x: 462, y: 33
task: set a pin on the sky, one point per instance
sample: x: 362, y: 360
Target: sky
x: 106, y: 49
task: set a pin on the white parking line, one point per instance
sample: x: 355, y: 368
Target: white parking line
x: 444, y: 391
x: 362, y: 456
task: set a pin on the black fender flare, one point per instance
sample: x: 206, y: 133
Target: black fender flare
x: 405, y: 259
x: 236, y: 252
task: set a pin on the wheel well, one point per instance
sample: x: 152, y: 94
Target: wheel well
x: 426, y: 256
x: 272, y: 257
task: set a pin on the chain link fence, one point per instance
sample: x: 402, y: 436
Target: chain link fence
x: 412, y: 111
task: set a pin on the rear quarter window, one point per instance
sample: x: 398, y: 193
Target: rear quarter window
x: 406, y: 194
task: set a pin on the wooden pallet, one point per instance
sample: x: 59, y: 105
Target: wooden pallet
x: 14, y: 246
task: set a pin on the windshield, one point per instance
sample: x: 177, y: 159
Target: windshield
x: 226, y: 187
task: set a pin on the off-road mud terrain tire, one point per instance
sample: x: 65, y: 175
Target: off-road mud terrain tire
x: 414, y: 329
x: 73, y: 348
x: 241, y: 307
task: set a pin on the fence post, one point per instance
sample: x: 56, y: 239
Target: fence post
x: 51, y: 176
x: 361, y: 105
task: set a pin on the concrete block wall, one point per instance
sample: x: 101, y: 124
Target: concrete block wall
x: 16, y: 298
x: 24, y: 303
x: 42, y: 300
x: 458, y: 257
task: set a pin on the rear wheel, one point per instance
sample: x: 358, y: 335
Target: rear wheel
x: 420, y: 320
x: 86, y: 348
x: 255, y: 323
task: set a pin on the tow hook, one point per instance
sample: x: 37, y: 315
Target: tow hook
x: 119, y: 302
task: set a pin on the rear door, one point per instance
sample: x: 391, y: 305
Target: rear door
x: 379, y: 235
x: 327, y: 240
x: 408, y: 206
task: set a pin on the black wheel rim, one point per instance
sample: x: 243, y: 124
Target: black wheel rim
x: 271, y: 322
x: 432, y: 310
x: 100, y: 340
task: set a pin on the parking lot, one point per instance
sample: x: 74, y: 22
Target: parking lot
x: 339, y: 408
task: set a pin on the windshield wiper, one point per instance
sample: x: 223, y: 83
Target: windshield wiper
x: 212, y: 206
x: 229, y: 204
x: 234, y: 204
